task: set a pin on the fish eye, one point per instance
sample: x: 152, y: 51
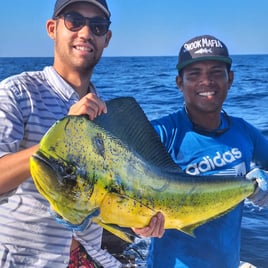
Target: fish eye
x: 69, y: 173
x: 66, y: 173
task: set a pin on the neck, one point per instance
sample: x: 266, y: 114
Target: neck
x: 79, y: 82
x: 205, y: 121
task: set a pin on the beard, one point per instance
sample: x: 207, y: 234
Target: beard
x: 71, y: 61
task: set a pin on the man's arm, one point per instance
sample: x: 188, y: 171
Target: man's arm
x: 14, y: 169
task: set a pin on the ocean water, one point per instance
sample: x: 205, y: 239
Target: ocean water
x: 151, y: 80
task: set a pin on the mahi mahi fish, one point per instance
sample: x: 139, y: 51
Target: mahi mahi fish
x: 117, y: 165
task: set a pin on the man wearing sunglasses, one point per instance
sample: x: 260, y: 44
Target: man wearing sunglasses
x: 30, y: 103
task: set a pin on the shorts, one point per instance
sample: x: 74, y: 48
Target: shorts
x: 79, y: 258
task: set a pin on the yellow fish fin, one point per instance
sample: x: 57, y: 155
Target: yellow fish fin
x: 125, y: 234
x: 189, y: 229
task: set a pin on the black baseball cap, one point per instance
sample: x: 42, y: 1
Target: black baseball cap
x: 200, y: 48
x: 61, y: 4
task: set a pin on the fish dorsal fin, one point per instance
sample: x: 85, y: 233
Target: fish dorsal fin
x: 127, y: 121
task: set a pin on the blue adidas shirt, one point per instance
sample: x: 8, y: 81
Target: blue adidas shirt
x: 216, y: 243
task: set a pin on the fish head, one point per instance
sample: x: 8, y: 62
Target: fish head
x: 62, y: 170
x: 66, y: 186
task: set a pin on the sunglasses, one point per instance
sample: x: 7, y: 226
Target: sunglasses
x: 74, y: 22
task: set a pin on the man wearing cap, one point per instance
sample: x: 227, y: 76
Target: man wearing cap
x: 204, y: 140
x: 30, y: 103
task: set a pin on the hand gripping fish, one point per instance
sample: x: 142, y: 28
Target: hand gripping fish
x: 118, y: 166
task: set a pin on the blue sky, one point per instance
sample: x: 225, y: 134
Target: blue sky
x: 144, y: 27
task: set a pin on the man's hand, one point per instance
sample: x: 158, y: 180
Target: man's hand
x: 90, y: 105
x: 155, y: 227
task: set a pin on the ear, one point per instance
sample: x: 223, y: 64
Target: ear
x: 51, y: 28
x: 108, y: 38
x: 179, y: 82
x: 230, y: 79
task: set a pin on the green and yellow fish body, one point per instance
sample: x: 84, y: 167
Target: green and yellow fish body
x: 118, y: 165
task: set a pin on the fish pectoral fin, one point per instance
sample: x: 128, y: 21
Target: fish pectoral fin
x: 124, y: 233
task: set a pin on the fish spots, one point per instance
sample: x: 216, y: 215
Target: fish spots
x: 98, y: 145
x: 116, y: 186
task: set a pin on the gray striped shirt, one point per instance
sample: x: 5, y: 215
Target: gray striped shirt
x: 29, y: 104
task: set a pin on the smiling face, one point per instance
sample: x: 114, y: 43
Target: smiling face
x: 81, y: 50
x: 205, y: 85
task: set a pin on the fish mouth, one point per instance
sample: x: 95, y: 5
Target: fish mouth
x: 63, y: 185
x: 54, y: 178
x: 47, y: 177
x: 62, y: 171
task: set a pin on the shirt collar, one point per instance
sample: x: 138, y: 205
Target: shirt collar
x: 59, y: 85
